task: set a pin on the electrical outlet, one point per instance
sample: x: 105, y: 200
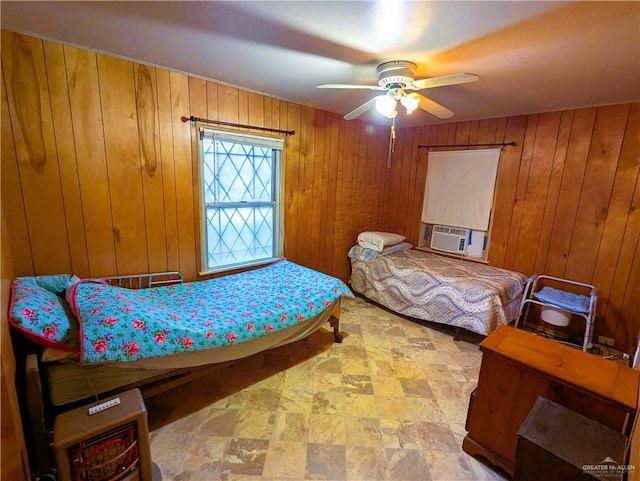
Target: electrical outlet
x: 606, y: 341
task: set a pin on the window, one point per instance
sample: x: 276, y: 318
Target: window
x: 241, y: 199
x: 458, y: 200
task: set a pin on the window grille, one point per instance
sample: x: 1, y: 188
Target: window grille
x: 241, y: 199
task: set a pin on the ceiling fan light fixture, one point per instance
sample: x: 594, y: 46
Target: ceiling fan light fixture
x: 396, y: 77
x: 410, y: 102
x: 386, y: 105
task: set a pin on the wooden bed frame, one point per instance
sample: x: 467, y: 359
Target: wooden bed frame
x: 40, y: 411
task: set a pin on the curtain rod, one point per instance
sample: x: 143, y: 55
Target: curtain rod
x: 466, y: 145
x: 229, y: 124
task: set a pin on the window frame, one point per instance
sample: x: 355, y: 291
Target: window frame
x: 277, y: 202
x: 427, y: 224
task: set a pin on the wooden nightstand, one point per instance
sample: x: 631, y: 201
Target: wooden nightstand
x: 111, y: 442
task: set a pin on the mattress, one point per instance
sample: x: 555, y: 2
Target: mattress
x: 435, y: 288
x: 68, y: 382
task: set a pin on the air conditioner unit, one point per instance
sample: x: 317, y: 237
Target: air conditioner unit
x: 449, y: 239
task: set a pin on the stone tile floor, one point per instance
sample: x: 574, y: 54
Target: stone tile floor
x: 389, y: 403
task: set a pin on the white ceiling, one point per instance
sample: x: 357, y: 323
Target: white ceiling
x: 531, y: 56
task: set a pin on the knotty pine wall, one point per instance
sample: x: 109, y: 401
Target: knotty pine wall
x: 99, y: 174
x: 567, y: 200
x: 99, y: 177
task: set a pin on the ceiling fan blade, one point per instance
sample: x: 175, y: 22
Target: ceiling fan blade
x: 427, y: 83
x: 369, y: 104
x: 349, y: 86
x: 434, y: 107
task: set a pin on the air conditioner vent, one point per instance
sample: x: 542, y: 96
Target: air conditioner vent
x: 449, y: 239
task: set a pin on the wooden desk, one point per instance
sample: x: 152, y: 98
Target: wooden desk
x: 517, y: 367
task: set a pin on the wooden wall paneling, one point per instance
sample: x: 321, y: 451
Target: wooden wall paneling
x: 212, y: 101
x: 420, y: 181
x: 255, y: 109
x: 165, y: 115
x: 596, y: 191
x: 364, y: 176
x: 553, y: 192
x: 306, y: 186
x: 428, y: 136
x: 392, y: 189
x: 13, y: 458
x: 367, y: 174
x: 279, y: 115
x: 331, y: 172
x: 444, y: 132
x: 376, y: 165
x: 338, y: 266
x: 451, y: 135
x: 499, y: 137
x: 327, y: 214
x: 625, y: 294
x: 345, y: 210
x: 86, y: 117
x: 292, y: 177
x: 407, y: 181
x: 343, y: 177
x: 357, y: 222
x: 267, y: 112
x: 570, y: 187
x: 243, y: 108
x: 117, y: 94
x: 501, y: 130
x: 382, y: 149
x: 318, y: 187
x: 618, y: 210
x: 361, y: 217
x: 521, y: 189
x: 487, y: 132
x: 414, y: 186
x: 67, y: 160
x: 474, y: 132
x: 228, y: 104
x: 34, y: 140
x: 388, y: 222
x: 185, y: 183
x: 325, y: 187
x: 620, y: 238
x: 399, y: 181
x: 12, y: 193
x: 537, y: 186
x: 198, y: 107
x: 147, y: 113
x: 463, y: 133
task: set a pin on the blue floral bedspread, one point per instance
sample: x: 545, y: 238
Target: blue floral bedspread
x: 120, y: 325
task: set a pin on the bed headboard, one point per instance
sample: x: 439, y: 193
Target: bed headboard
x: 140, y: 281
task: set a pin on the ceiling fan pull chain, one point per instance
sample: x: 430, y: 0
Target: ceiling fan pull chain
x: 392, y: 142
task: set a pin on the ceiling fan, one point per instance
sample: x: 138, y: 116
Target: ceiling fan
x: 397, y: 77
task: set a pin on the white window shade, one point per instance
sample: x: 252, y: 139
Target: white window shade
x: 459, y: 188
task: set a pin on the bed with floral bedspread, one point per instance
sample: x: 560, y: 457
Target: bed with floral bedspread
x: 111, y: 324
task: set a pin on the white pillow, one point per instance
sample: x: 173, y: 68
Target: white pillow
x: 378, y: 240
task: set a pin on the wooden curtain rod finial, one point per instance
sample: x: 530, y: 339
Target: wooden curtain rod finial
x: 185, y: 119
